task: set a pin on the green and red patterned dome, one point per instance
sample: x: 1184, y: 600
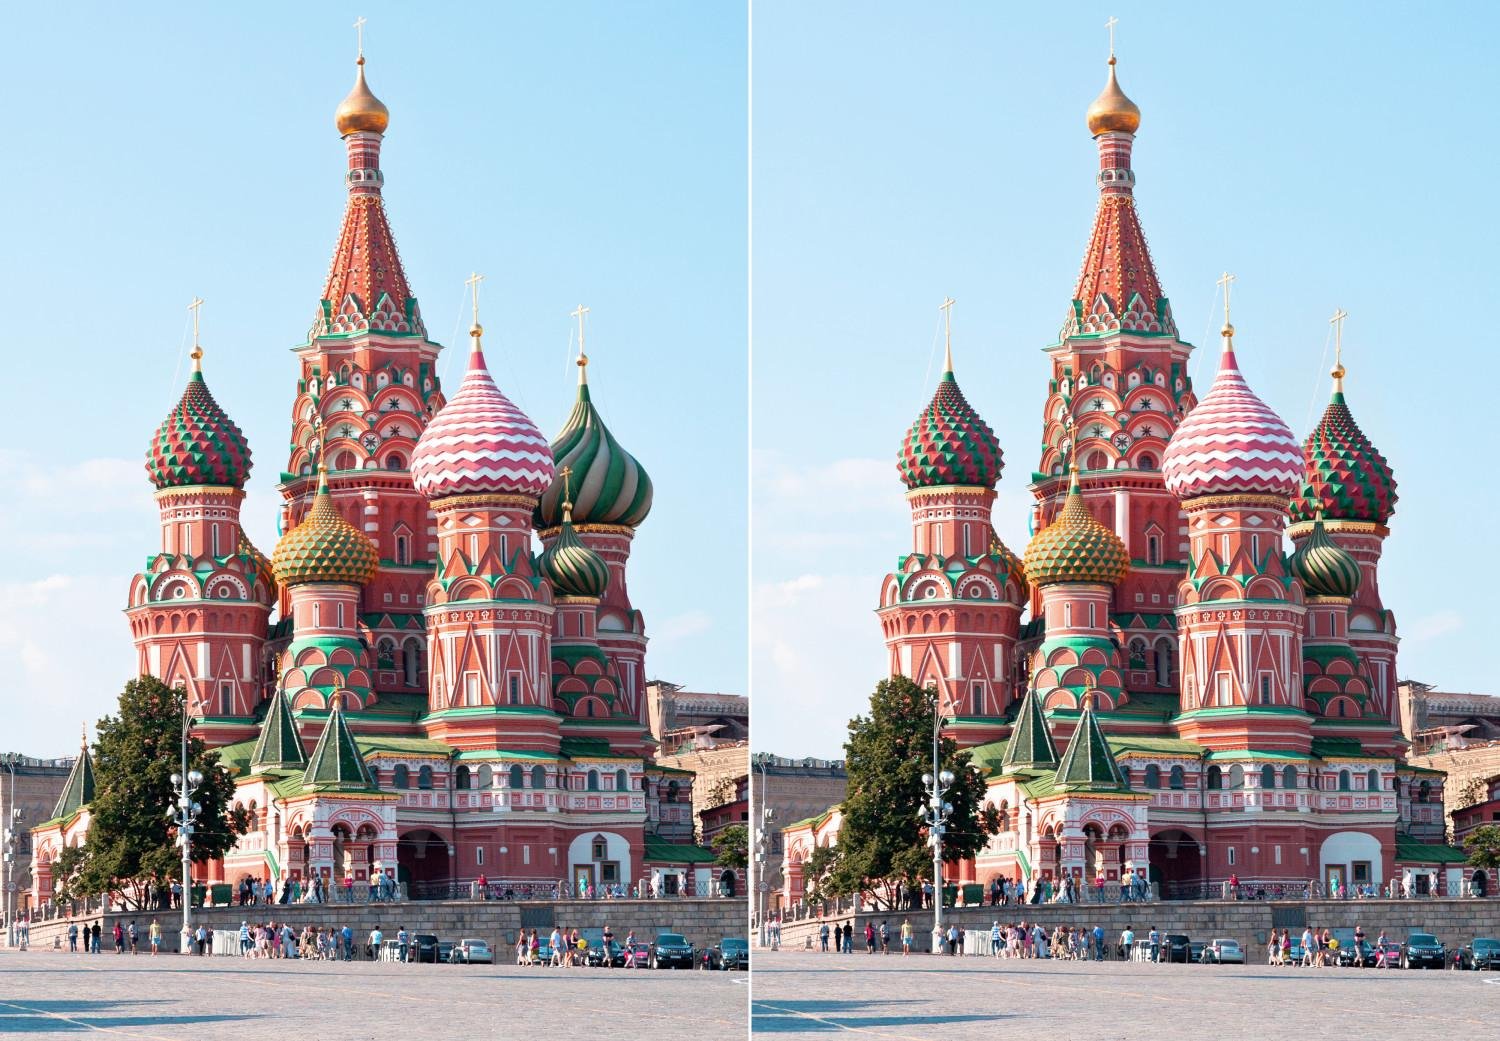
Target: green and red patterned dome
x: 198, y: 443
x: 1345, y: 477
x: 950, y: 444
x: 1323, y: 566
x: 324, y: 547
x: 571, y: 567
x: 609, y: 486
x: 1076, y: 548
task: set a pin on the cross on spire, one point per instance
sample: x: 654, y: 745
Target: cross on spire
x: 1110, y: 25
x: 947, y: 308
x: 197, y: 355
x: 359, y: 37
x: 1225, y: 282
x: 565, y: 473
x: 472, y: 282
x: 1337, y: 321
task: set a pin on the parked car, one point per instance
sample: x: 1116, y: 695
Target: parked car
x: 598, y: 954
x: 731, y: 952
x: 1480, y: 953
x: 1196, y: 949
x: 475, y: 952
x: 640, y: 954
x: 447, y: 952
x: 1178, y: 947
x: 671, y: 950
x: 1224, y: 952
x: 424, y: 947
x: 1423, y: 950
x: 1392, y: 953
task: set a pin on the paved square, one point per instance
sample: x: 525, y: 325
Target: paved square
x: 804, y: 994
x: 198, y: 999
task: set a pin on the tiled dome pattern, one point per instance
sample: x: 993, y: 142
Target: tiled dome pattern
x: 949, y: 444
x: 1076, y: 548
x: 198, y: 444
x: 1344, y: 475
x: 324, y: 548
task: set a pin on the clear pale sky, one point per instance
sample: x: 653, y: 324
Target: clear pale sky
x: 1329, y: 155
x: 590, y: 154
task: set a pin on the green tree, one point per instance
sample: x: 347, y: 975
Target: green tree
x: 1483, y: 846
x: 732, y: 846
x: 816, y: 870
x: 131, y: 846
x: 881, y: 840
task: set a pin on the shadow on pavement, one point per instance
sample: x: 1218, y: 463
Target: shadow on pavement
x: 44, y: 1017
x: 787, y: 1017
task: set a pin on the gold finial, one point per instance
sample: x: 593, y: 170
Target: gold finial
x: 361, y: 111
x: 579, y: 313
x: 1112, y: 111
x: 1225, y: 281
x: 476, y: 330
x: 947, y: 308
x: 567, y: 504
x: 359, y: 40
x: 85, y: 733
x: 1337, y: 321
x: 197, y: 354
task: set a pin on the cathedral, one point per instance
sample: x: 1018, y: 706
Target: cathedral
x: 1157, y: 687
x: 407, y: 686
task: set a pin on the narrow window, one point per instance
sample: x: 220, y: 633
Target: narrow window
x: 1093, y: 618
x: 317, y: 616
x: 979, y: 699
x: 515, y: 689
x: 517, y: 777
x: 967, y: 550
x: 1231, y: 856
x: 403, y: 555
x: 214, y: 533
x: 341, y: 616
x: 1265, y: 688
x: 1067, y: 615
x: 1255, y: 548
x: 1153, y: 550
x: 479, y: 855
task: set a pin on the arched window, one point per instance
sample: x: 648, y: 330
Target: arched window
x: 1163, y: 663
x: 672, y: 789
x: 593, y: 784
x: 1268, y: 776
x: 395, y: 461
x: 538, y: 777
x: 622, y: 782
x: 424, y: 777
x: 517, y: 777
x: 1146, y: 461
x: 403, y: 554
x: 461, y: 778
x: 486, y: 777
x: 1372, y: 781
x: 411, y: 661
x: 1424, y: 791
x: 1344, y: 784
x: 1098, y: 461
x: 1153, y: 550
x: 402, y: 777
x: 1153, y: 776
x: 1215, y: 778
x: 1289, y: 777
x: 385, y: 654
x: 1236, y: 776
x: 1175, y: 779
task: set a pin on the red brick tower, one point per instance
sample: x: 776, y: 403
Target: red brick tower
x: 950, y: 612
x: 198, y: 611
x: 1119, y: 388
x: 367, y: 385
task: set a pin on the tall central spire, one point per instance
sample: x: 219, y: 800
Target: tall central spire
x: 366, y: 289
x: 1117, y: 289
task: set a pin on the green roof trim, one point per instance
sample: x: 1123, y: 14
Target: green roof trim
x: 279, y: 744
x: 1229, y: 754
x: 78, y: 789
x: 508, y: 753
x: 659, y: 851
x: 380, y: 744
x: 1125, y: 745
x: 1410, y: 850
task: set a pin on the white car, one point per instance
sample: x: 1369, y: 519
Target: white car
x: 1224, y: 952
x: 474, y: 952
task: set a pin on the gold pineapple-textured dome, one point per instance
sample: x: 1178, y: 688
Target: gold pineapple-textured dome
x: 324, y: 547
x: 1076, y: 548
x: 1112, y: 110
x: 361, y: 110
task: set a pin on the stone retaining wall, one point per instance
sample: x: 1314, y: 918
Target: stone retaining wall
x: 1455, y: 922
x: 703, y: 921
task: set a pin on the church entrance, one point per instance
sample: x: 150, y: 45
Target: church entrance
x: 422, y: 856
x: 1176, y: 866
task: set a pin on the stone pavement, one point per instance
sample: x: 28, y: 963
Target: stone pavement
x: 927, y: 998
x: 174, y: 998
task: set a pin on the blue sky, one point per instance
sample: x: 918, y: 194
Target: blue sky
x: 1328, y: 154
x: 594, y: 153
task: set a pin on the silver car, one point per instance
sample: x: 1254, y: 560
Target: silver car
x: 1224, y: 952
x: 473, y: 952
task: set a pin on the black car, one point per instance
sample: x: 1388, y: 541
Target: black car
x: 1345, y: 954
x: 424, y: 947
x: 1423, y: 950
x: 1480, y: 953
x: 1176, y: 947
x: 671, y: 950
x: 600, y: 953
x: 729, y: 953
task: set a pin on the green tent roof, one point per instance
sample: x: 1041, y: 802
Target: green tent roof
x: 1411, y: 851
x: 1087, y: 764
x: 662, y: 852
x: 279, y: 744
x: 78, y: 790
x: 336, y: 763
x: 1030, y: 743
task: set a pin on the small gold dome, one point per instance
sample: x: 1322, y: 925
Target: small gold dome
x: 361, y: 110
x: 1112, y: 110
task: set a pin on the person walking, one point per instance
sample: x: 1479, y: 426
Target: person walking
x: 885, y: 937
x: 1154, y: 939
x: 1098, y: 943
x: 133, y: 935
x: 995, y: 939
x: 906, y: 937
x: 402, y: 940
x: 849, y: 937
x: 869, y: 937
x: 155, y: 937
x: 823, y: 936
x: 1359, y: 945
x: 72, y: 936
x: 119, y: 934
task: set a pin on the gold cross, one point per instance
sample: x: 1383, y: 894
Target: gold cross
x: 359, y: 34
x: 579, y: 312
x: 197, y: 355
x: 565, y: 473
x: 1110, y: 25
x: 473, y: 283
x: 947, y: 308
x: 1337, y: 321
x: 1225, y: 281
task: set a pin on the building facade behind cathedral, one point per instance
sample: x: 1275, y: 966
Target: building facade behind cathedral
x: 1186, y: 701
x: 435, y: 700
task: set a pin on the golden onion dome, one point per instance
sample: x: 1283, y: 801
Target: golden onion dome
x: 1112, y: 110
x: 361, y: 110
x: 324, y: 547
x: 1076, y: 548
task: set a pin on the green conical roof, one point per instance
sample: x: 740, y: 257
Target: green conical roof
x: 1030, y: 744
x: 1087, y: 764
x: 279, y: 746
x: 78, y: 792
x: 336, y: 762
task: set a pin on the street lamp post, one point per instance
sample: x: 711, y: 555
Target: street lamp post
x: 10, y: 820
x: 762, y: 852
x: 935, y: 815
x: 183, y: 814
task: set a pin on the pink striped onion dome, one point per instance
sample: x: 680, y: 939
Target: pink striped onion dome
x: 950, y: 443
x: 481, y: 443
x: 1233, y: 442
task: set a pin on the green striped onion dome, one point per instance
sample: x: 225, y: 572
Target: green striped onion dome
x: 1076, y: 548
x: 950, y: 444
x: 607, y: 484
x: 198, y: 444
x: 1344, y: 477
x: 324, y: 547
x: 571, y: 567
x: 1323, y: 566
